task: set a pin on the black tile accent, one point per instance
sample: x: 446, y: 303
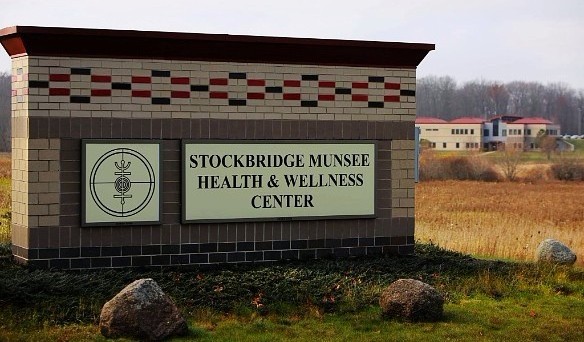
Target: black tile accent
x: 38, y: 84
x: 307, y: 254
x: 80, y: 71
x: 366, y: 241
x: 324, y: 253
x: 316, y: 243
x: 289, y: 255
x: 351, y: 242
x: 332, y: 243
x: 59, y: 263
x: 170, y: 249
x: 111, y: 251
x: 299, y: 244
x: 263, y: 245
x: 274, y: 90
x: 151, y: 250
x: 281, y: 244
x: 160, y: 73
x: 235, y: 257
x: 42, y: 264
x: 382, y: 241
x: 227, y: 247
x: 310, y: 77
x: 161, y: 260
x: 254, y: 256
x: 405, y: 92
x: 237, y: 75
x: 199, y: 258
x: 217, y: 257
x: 198, y: 87
x: 161, y: 100
x: 141, y: 261
x: 189, y: 248
x: 101, y: 262
x: 391, y: 250
x: 131, y: 250
x: 376, y: 79
x: 90, y: 251
x: 272, y: 255
x: 80, y: 99
x: 121, y: 262
x: 179, y: 259
x: 82, y: 263
x: 357, y: 251
x: 121, y: 86
x: 374, y: 250
x: 245, y: 246
x: 67, y: 252
x: 341, y: 252
x: 237, y: 102
x: 208, y: 247
x: 343, y: 91
x: 375, y: 104
x: 309, y: 103
x: 407, y: 249
x: 48, y: 253
x: 410, y: 240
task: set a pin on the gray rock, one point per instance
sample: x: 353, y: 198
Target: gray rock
x: 555, y: 252
x: 411, y: 300
x: 143, y: 311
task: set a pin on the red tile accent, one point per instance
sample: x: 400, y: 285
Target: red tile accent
x: 101, y: 92
x: 25, y: 77
x: 360, y: 97
x: 141, y: 93
x: 256, y: 96
x: 291, y: 83
x: 218, y: 94
x: 218, y: 81
x: 175, y: 94
x: 59, y: 91
x: 391, y: 98
x: 59, y: 77
x: 14, y: 78
x: 101, y: 78
x: 394, y: 86
x: 141, y: 79
x: 25, y: 91
x: 256, y: 83
x: 14, y: 92
x: 360, y: 85
x: 291, y: 96
x: 180, y: 80
x: 326, y: 84
x: 326, y: 97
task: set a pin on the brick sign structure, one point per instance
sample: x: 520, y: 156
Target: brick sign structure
x: 150, y: 149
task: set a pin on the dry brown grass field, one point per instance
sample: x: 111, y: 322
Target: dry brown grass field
x: 500, y: 220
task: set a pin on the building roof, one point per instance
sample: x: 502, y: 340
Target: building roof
x: 468, y: 120
x: 429, y: 120
x: 101, y: 43
x: 531, y: 121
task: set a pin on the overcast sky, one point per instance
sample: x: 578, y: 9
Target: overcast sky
x: 499, y: 40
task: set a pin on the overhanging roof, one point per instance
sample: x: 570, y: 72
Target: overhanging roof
x: 126, y: 44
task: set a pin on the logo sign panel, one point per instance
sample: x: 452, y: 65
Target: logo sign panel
x: 277, y: 180
x: 121, y: 182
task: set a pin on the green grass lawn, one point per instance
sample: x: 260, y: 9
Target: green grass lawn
x: 485, y: 300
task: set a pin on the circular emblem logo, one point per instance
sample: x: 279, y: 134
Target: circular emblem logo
x: 122, y: 182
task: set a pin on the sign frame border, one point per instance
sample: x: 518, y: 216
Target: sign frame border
x: 84, y: 143
x: 276, y: 219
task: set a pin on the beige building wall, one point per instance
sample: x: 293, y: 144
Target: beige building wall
x: 452, y: 137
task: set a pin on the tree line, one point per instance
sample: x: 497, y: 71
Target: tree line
x: 442, y: 97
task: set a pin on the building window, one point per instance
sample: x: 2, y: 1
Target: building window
x: 472, y: 131
x: 486, y: 132
x: 457, y: 145
x: 443, y: 145
x: 504, y: 132
x: 528, y: 132
x: 519, y: 133
x: 433, y: 145
x: 466, y: 131
x: 453, y: 131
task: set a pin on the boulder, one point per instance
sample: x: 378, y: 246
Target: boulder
x: 555, y: 252
x: 142, y: 311
x: 411, y: 300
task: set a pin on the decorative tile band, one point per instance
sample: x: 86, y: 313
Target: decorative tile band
x: 236, y: 89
